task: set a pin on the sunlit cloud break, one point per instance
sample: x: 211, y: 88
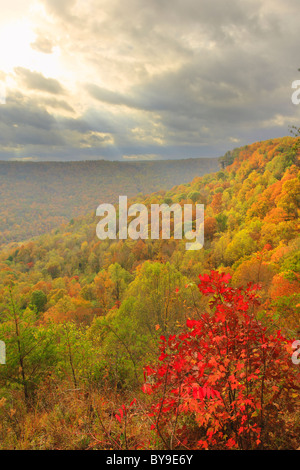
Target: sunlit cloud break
x: 82, y: 79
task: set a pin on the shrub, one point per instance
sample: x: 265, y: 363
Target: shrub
x: 224, y: 381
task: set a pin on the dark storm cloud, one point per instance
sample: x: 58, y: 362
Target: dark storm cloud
x: 23, y: 123
x: 57, y: 104
x: 27, y: 129
x: 108, y: 96
x: 20, y: 111
x: 237, y: 64
x: 36, y: 81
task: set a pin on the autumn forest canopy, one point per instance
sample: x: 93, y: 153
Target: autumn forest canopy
x: 142, y: 344
x: 39, y: 196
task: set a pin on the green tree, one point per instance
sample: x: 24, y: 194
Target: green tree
x: 194, y: 196
x: 30, y: 349
x: 39, y: 300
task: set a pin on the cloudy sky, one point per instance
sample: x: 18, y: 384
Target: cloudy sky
x: 145, y: 79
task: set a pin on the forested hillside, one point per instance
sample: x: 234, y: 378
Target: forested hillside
x: 114, y: 345
x: 36, y: 197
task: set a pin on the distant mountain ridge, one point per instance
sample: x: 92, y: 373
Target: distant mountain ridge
x: 38, y: 196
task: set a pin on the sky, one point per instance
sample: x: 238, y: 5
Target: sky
x: 145, y: 79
